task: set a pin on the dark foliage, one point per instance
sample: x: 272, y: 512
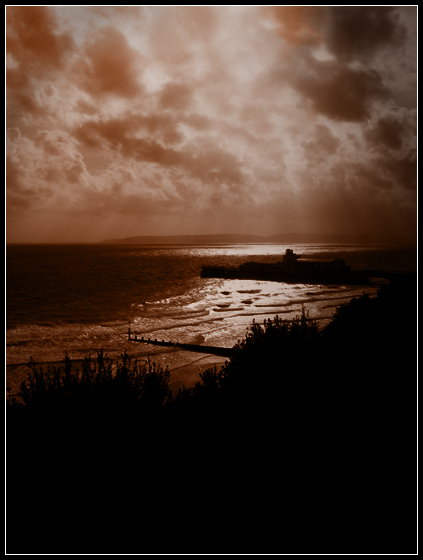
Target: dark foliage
x: 304, y: 442
x: 95, y: 384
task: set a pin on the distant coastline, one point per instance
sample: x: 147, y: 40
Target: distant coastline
x: 279, y: 238
x: 233, y: 238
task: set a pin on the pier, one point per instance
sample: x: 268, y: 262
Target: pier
x: 216, y: 350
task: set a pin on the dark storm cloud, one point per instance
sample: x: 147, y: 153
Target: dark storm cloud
x: 387, y: 131
x: 205, y: 161
x: 348, y: 32
x: 358, y: 31
x: 119, y: 135
x: 124, y: 132
x: 134, y: 136
x: 335, y: 87
x: 337, y: 91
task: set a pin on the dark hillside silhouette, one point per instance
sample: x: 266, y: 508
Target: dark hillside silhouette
x: 304, y: 442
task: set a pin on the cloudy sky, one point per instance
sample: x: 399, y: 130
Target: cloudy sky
x: 154, y: 120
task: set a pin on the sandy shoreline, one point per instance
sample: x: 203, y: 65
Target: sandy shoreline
x: 189, y: 374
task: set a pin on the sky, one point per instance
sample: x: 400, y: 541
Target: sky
x: 151, y: 120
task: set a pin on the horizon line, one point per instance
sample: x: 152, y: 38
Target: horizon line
x: 361, y: 238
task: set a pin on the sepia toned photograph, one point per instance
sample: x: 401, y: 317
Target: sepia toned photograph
x: 211, y: 280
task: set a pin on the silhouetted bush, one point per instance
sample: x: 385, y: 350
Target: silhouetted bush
x: 271, y: 356
x: 97, y: 383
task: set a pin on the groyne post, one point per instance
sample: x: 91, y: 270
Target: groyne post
x: 217, y: 350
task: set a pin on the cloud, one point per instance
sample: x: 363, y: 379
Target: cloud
x: 252, y: 119
x: 16, y: 193
x: 339, y: 92
x: 109, y: 65
x: 134, y: 136
x: 175, y: 96
x: 322, y: 144
x: 348, y: 32
x: 37, y: 49
x: 120, y: 136
x: 33, y: 38
x: 387, y: 131
x: 45, y: 172
x: 402, y: 171
x: 198, y: 21
x: 342, y: 58
x: 356, y: 33
x: 300, y: 25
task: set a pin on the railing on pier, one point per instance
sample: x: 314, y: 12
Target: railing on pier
x: 216, y: 350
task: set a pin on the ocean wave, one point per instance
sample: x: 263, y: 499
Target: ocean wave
x: 272, y: 304
x: 221, y: 310
x: 248, y: 291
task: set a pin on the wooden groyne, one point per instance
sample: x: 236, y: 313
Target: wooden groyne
x: 215, y: 350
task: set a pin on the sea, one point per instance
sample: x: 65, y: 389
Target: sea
x: 79, y: 299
